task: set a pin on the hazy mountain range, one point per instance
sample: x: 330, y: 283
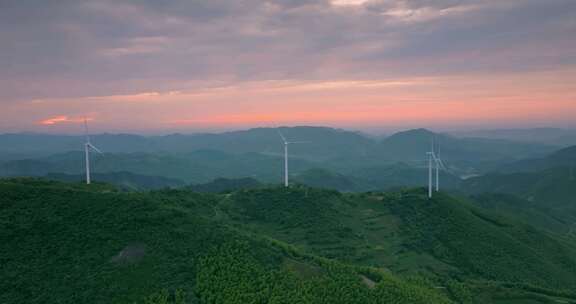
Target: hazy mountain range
x: 356, y: 225
x: 255, y: 153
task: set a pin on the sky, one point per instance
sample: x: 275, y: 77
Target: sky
x: 153, y: 66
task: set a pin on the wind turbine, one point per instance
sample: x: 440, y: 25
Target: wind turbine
x: 87, y: 147
x: 286, y: 144
x: 434, y: 160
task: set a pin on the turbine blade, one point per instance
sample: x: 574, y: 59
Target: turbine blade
x: 94, y: 148
x: 442, y: 165
x: 86, y: 134
x: 282, y: 136
x: 298, y: 142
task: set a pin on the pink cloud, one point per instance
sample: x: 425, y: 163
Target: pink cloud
x: 62, y: 119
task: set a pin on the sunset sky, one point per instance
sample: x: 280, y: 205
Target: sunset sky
x: 153, y: 66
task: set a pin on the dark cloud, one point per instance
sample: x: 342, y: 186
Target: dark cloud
x: 108, y: 47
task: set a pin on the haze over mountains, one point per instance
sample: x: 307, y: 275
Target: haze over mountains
x: 203, y: 157
x: 469, y: 197
x: 202, y: 219
x: 553, y: 136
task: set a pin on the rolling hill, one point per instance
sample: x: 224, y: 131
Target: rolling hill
x: 200, y: 166
x: 553, y: 188
x: 333, y: 148
x: 221, y: 185
x: 562, y: 158
x: 124, y: 180
x: 288, y: 245
x: 465, y: 155
x: 545, y: 198
x: 406, y: 232
x: 68, y: 243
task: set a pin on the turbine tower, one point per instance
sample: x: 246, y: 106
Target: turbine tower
x: 430, y: 158
x: 87, y: 147
x: 286, y: 144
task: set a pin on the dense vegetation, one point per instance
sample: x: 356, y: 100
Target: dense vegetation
x: 444, y: 239
x: 124, y: 180
x: 544, y: 198
x: 220, y: 185
x: 482, y: 245
x: 69, y: 243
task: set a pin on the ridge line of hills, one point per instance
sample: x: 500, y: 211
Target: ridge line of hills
x: 210, y: 247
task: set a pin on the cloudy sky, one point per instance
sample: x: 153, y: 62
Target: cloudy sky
x: 164, y: 65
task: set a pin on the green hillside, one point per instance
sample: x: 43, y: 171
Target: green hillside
x: 562, y: 158
x: 551, y: 189
x: 353, y: 226
x: 196, y: 167
x: 545, y: 199
x: 400, y: 175
x: 322, y: 178
x: 534, y: 213
x: 67, y: 243
x: 123, y: 180
x: 220, y: 185
x: 444, y: 238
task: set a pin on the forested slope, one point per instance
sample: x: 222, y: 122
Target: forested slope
x: 444, y: 238
x: 67, y: 243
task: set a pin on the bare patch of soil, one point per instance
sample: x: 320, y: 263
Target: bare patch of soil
x: 371, y: 284
x: 130, y: 254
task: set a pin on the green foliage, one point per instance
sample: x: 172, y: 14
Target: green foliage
x: 221, y: 185
x: 322, y: 178
x: 62, y: 243
x: 446, y: 239
x: 545, y: 199
x: 483, y: 245
x: 164, y: 297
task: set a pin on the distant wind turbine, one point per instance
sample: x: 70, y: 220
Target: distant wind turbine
x: 286, y: 144
x: 87, y: 147
x: 434, y: 160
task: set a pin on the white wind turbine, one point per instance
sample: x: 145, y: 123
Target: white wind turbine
x: 434, y: 158
x: 87, y: 146
x: 286, y: 144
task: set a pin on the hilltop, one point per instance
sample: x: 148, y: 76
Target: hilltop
x: 293, y: 245
x: 68, y: 243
